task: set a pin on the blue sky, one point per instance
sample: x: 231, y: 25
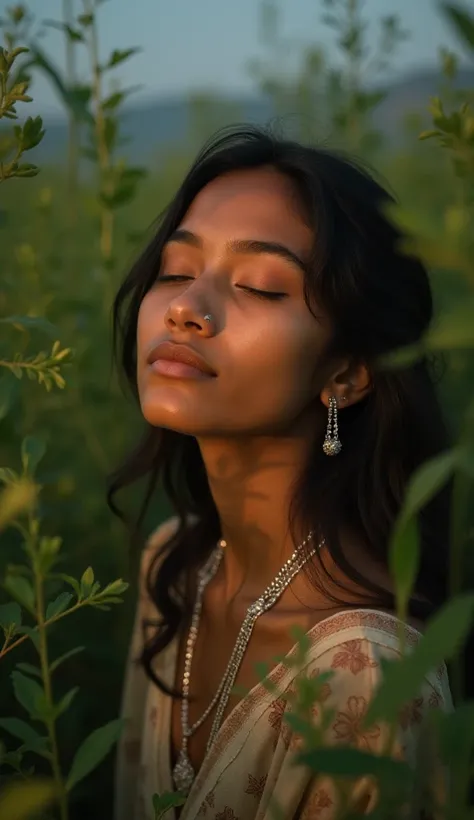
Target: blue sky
x: 189, y: 44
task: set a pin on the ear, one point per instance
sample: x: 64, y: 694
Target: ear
x: 349, y: 384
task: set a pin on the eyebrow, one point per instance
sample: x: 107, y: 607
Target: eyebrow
x: 249, y: 246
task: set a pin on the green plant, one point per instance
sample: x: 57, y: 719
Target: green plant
x: 25, y: 137
x: 353, y: 102
x: 30, y: 584
x: 27, y: 585
x: 318, y: 98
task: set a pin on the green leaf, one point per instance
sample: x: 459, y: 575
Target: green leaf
x: 404, y: 554
x: 65, y: 657
x: 48, y: 550
x: 69, y: 96
x: 428, y: 480
x: 32, y: 133
x: 404, y: 561
x: 80, y: 96
x: 301, y: 726
x: 60, y: 604
x: 115, y: 99
x: 32, y: 634
x: 68, y: 579
x: 10, y: 615
x: 88, y: 577
x: 21, y: 589
x: 114, y: 588
x: 162, y: 803
x: 30, y: 669
x: 26, y: 323
x: 66, y: 701
x: 355, y: 762
x: 87, y: 581
x: 85, y: 19
x: 462, y: 22
x: 18, y: 728
x: 27, y: 170
x: 32, y: 451
x: 93, y: 750
x: 426, y: 135
x: 39, y: 746
x: 444, y: 636
x: 453, y: 330
x: 119, y: 56
x: 28, y: 693
x: 19, y: 801
x: 72, y: 34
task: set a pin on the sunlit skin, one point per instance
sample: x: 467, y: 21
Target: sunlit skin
x: 255, y: 420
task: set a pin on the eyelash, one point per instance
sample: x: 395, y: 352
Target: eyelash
x: 261, y: 294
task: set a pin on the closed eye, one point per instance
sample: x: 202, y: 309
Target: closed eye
x: 170, y: 278
x: 262, y: 294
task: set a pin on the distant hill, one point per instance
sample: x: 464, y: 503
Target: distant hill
x: 156, y: 125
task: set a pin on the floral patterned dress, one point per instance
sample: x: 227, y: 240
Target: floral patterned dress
x: 251, y: 766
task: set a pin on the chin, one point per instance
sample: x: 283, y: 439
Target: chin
x: 172, y: 413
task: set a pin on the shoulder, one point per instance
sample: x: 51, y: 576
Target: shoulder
x: 331, y: 691
x: 346, y: 660
x: 357, y: 643
x: 341, y: 675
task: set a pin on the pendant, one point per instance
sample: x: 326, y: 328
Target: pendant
x: 183, y: 773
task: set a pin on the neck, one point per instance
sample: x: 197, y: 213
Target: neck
x: 252, y: 484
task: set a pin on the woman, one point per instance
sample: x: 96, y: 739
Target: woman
x: 252, y: 330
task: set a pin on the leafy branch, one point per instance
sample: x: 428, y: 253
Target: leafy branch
x: 10, y: 620
x: 117, y: 182
x: 27, y: 584
x: 43, y: 367
x: 25, y: 137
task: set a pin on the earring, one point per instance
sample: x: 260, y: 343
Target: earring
x: 332, y: 446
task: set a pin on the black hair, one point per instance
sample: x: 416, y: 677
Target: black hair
x: 378, y: 297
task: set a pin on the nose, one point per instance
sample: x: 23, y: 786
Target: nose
x: 183, y: 316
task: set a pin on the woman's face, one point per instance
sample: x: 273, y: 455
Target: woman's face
x: 244, y: 231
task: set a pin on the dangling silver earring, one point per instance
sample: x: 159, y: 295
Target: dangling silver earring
x: 332, y: 446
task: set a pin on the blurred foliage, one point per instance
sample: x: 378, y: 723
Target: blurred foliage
x: 63, y: 250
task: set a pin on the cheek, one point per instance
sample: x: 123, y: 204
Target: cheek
x: 150, y: 325
x: 150, y: 321
x: 278, y: 359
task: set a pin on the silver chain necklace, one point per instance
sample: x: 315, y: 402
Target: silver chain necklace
x: 183, y: 772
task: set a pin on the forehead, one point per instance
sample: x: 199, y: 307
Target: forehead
x: 259, y: 203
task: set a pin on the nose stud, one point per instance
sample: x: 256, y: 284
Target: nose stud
x: 208, y: 317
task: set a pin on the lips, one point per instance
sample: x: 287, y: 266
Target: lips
x: 181, y: 354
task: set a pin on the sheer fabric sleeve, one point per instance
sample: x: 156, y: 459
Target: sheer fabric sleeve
x: 135, y: 688
x: 356, y: 673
